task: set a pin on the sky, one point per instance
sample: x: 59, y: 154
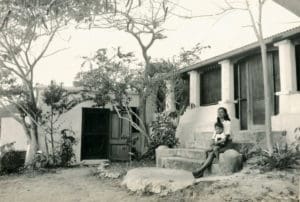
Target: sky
x: 222, y: 33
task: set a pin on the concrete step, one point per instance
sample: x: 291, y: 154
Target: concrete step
x: 189, y: 165
x: 198, y: 154
x: 180, y: 163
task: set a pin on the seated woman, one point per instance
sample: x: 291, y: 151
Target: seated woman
x: 221, y: 140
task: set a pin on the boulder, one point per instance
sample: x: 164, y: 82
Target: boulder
x: 157, y: 180
x: 230, y: 162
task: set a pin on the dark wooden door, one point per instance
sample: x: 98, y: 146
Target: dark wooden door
x: 120, y: 136
x: 243, y: 95
x: 95, y: 133
x: 250, y: 90
x: 251, y: 93
x: 256, y: 94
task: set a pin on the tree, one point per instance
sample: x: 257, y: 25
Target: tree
x: 58, y: 100
x: 256, y: 23
x: 112, y: 78
x: 174, y: 85
x: 143, y: 20
x: 27, y: 30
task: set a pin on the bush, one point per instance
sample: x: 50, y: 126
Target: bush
x: 284, y: 156
x: 66, y: 153
x: 12, y: 161
x: 163, y: 133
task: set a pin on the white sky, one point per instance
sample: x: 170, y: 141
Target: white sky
x: 222, y: 34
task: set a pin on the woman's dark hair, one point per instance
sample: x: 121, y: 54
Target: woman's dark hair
x: 226, y: 116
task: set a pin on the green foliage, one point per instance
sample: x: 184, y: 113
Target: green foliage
x: 284, y: 156
x: 59, y: 101
x: 40, y: 161
x: 163, y: 133
x: 10, y: 160
x: 110, y: 78
x: 66, y: 153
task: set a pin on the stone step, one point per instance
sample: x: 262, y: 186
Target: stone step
x: 188, y: 164
x: 198, y: 154
x: 180, y: 163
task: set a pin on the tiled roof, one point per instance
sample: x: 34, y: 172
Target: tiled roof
x: 269, y: 40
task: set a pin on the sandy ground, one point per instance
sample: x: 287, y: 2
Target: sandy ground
x: 66, y: 185
x: 78, y: 184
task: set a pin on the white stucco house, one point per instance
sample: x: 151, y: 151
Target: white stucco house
x: 99, y: 132
x: 234, y: 80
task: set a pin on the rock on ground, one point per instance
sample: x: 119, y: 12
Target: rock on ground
x: 230, y: 162
x: 157, y: 180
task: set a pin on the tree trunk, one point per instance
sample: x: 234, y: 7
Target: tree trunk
x: 170, y: 96
x: 32, y: 148
x: 52, y: 139
x: 267, y: 95
x: 151, y: 105
x: 33, y: 145
x: 142, y: 114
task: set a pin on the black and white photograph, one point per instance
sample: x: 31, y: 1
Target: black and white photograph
x: 149, y: 100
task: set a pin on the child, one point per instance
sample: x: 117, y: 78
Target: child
x: 218, y: 140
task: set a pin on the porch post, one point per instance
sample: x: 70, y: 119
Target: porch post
x: 170, y: 96
x: 227, y: 86
x: 288, y: 77
x: 287, y: 65
x: 227, y: 81
x: 194, y: 88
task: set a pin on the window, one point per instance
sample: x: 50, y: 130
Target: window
x: 210, y: 86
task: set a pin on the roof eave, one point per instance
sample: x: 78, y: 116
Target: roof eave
x: 269, y: 40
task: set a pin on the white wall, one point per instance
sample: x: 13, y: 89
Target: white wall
x: 12, y: 131
x: 289, y: 119
x: 197, y: 125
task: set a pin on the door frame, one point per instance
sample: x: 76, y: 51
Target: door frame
x: 82, y: 133
x: 249, y: 93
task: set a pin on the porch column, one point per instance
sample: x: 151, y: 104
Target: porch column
x: 288, y: 76
x: 170, y: 96
x: 227, y: 92
x: 287, y: 65
x: 227, y: 81
x: 195, y: 88
x: 227, y: 86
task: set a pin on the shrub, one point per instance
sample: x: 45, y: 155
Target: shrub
x: 40, y: 161
x: 66, y: 153
x: 12, y: 161
x: 284, y: 156
x: 163, y: 133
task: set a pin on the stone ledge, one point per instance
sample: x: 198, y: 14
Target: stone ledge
x: 179, y: 163
x: 197, y: 154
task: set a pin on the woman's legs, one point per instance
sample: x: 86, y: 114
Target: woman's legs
x: 206, y: 164
x: 208, y: 151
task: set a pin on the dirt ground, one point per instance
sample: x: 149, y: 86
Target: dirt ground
x: 76, y: 185
x: 79, y: 184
